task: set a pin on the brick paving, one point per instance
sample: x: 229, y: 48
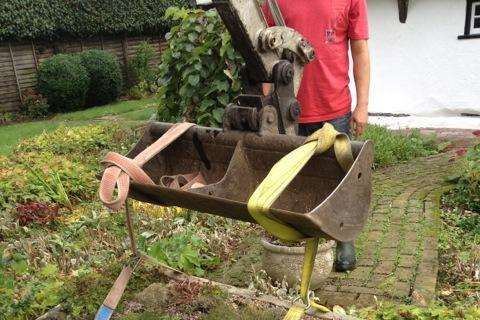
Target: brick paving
x: 397, y: 252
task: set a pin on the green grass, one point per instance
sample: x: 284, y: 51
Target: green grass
x: 138, y: 110
x: 393, y: 147
x: 122, y: 108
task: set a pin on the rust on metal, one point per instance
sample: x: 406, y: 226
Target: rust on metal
x: 321, y: 200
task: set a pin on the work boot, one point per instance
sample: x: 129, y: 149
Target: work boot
x: 345, y: 257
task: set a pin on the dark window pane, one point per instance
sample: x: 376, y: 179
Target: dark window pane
x: 477, y: 10
x: 476, y: 23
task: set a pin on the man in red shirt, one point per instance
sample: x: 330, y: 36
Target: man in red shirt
x: 332, y: 27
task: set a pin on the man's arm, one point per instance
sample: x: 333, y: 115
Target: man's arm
x: 361, y: 74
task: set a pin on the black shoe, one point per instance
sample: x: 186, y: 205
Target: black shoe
x: 345, y: 257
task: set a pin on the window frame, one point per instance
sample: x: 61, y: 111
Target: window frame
x: 469, y: 20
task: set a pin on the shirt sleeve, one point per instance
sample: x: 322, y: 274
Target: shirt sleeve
x: 358, y: 20
x: 268, y: 15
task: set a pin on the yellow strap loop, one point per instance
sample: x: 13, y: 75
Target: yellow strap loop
x: 277, y: 180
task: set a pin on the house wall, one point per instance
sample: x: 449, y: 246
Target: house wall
x: 420, y: 67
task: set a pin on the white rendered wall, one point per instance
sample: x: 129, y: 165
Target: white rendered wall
x: 420, y: 67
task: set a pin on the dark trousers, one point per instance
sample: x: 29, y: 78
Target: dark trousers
x: 345, y: 251
x: 341, y: 124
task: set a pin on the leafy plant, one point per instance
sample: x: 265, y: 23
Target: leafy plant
x: 390, y: 311
x: 6, y: 117
x: 64, y: 82
x: 141, y: 90
x: 53, y: 187
x: 34, y: 105
x: 105, y: 76
x: 391, y: 147
x: 199, y: 73
x: 139, y: 67
x: 466, y: 193
x: 183, y: 251
x: 36, y: 212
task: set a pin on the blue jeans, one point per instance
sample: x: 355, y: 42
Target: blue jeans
x: 345, y: 255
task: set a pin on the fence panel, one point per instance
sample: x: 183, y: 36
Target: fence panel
x: 19, y: 61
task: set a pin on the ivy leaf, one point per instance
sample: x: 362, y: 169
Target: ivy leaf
x: 194, y: 79
x: 218, y: 114
x: 192, y: 36
x: 206, y: 104
x: 223, y: 99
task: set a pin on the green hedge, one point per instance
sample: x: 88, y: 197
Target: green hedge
x: 51, y: 19
x: 64, y: 82
x: 105, y: 76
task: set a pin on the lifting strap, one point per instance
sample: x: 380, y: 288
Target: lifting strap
x: 117, y: 175
x: 121, y: 169
x: 277, y: 180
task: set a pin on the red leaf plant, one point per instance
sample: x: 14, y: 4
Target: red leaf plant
x: 461, y: 152
x: 36, y: 212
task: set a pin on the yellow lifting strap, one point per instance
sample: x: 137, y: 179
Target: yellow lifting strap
x: 277, y: 180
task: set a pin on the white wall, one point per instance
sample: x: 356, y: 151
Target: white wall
x: 420, y: 67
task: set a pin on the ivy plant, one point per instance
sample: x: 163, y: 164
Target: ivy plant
x: 199, y: 73
x: 53, y: 19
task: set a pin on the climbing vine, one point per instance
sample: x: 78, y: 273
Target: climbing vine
x: 199, y: 73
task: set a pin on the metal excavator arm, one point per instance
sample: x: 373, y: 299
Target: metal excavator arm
x: 272, y: 55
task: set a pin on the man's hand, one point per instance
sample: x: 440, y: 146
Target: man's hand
x: 359, y: 119
x: 361, y: 73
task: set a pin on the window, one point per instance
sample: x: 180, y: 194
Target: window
x: 472, y: 20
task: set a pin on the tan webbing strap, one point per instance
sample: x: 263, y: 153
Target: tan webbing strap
x: 121, y: 169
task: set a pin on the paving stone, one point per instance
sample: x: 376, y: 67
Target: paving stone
x: 407, y: 261
x: 405, y: 274
x: 380, y: 281
x: 331, y: 299
x: 385, y: 267
x: 388, y: 254
x: 351, y: 283
x: 374, y: 235
x: 366, y: 300
x: 430, y: 255
x: 412, y: 236
x: 403, y: 224
x: 360, y: 273
x: 408, y: 250
x: 358, y: 289
x: 364, y: 262
x: 402, y: 289
x: 391, y: 241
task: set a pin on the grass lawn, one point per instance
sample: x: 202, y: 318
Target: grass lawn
x: 137, y: 110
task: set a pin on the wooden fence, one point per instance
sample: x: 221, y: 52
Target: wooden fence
x: 19, y: 62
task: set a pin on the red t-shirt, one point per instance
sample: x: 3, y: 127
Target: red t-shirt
x: 328, y: 25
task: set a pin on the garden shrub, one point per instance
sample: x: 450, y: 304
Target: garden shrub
x: 105, y: 76
x: 392, y: 147
x: 64, y: 82
x: 139, y: 67
x: 199, y: 73
x: 34, y: 105
x: 59, y: 166
x: 466, y: 193
x: 184, y: 251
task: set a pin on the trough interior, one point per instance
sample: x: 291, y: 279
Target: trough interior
x: 233, y: 171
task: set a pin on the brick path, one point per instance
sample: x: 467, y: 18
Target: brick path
x: 397, y: 252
